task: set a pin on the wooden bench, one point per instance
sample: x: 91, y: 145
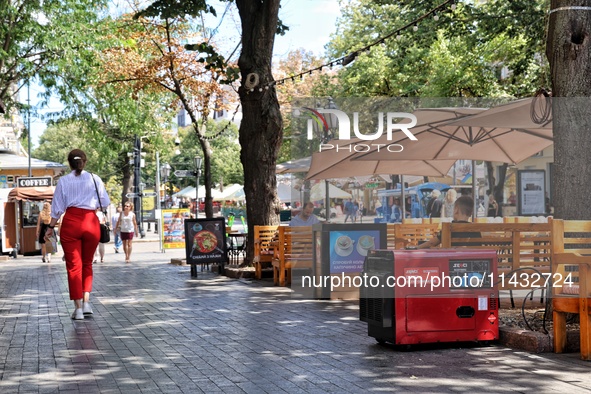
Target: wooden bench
x: 264, y: 247
x: 399, y: 236
x: 294, y: 248
x: 521, y: 247
x: 571, y: 259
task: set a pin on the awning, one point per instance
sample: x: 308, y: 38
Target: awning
x: 31, y: 193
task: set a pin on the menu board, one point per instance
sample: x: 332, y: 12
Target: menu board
x: 532, y: 192
x: 206, y: 241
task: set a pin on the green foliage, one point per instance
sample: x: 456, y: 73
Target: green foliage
x: 172, y: 8
x: 225, y: 158
x: 460, y: 54
x: 61, y: 137
x: 37, y: 36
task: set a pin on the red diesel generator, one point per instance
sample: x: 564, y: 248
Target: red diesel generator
x: 411, y: 297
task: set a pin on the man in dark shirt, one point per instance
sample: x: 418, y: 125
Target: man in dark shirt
x: 463, y: 208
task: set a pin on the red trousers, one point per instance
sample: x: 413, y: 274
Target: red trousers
x: 79, y: 234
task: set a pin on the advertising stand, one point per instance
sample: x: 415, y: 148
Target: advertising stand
x: 339, y: 253
x: 205, y: 243
x: 173, y: 228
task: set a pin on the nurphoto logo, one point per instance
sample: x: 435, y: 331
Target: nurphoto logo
x: 391, y: 120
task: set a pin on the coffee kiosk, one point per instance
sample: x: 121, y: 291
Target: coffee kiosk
x: 26, y: 203
x: 25, y: 183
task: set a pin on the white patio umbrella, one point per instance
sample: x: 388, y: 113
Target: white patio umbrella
x: 238, y: 195
x: 345, y: 160
x: 228, y: 192
x: 504, y: 134
x: 331, y: 164
x: 186, y: 192
x: 342, y: 160
x: 287, y: 193
x: 318, y: 192
x: 189, y: 192
x: 293, y: 166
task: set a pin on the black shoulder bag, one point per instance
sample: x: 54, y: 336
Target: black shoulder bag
x: 105, y: 229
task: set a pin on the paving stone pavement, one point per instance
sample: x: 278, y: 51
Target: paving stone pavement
x: 157, y: 330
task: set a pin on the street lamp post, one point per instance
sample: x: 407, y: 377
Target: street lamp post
x: 165, y: 173
x: 198, y: 161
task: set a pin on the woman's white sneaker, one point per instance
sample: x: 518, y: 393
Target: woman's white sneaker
x: 78, y: 314
x: 87, y: 308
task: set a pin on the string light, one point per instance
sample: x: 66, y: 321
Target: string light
x: 350, y: 57
x: 222, y: 131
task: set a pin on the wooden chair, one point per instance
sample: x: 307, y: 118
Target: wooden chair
x: 265, y: 239
x: 294, y: 248
x: 399, y: 236
x: 518, y: 245
x: 571, y: 281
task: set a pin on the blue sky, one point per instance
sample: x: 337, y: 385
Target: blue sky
x: 311, y: 22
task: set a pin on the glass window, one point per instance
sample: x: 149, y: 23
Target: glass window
x: 30, y: 212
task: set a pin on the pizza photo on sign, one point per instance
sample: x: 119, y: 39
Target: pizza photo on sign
x: 205, y: 241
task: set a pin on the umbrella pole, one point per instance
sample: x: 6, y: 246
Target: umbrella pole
x: 403, y: 198
x: 327, y: 201
x: 475, y: 213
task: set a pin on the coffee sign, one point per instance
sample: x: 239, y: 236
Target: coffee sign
x: 34, y: 181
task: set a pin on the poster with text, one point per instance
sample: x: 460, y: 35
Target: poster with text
x: 349, y: 248
x: 532, y: 192
x: 173, y: 227
x: 206, y: 241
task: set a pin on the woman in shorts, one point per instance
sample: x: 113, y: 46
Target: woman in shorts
x: 126, y: 226
x: 42, y: 225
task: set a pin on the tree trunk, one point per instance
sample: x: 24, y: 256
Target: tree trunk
x: 261, y: 127
x: 569, y: 54
x: 206, y: 149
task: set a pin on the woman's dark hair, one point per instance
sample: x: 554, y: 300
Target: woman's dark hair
x: 77, y: 160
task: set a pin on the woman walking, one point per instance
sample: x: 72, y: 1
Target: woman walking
x: 100, y: 250
x: 126, y: 225
x: 42, y: 224
x: 77, y: 195
x: 447, y: 210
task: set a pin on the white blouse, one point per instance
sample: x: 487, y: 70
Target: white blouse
x: 127, y: 222
x: 79, y: 192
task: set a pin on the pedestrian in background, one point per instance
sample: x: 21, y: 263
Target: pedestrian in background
x: 100, y: 249
x: 378, y: 207
x: 78, y: 195
x: 117, y: 238
x: 354, y: 211
x: 493, y: 207
x: 396, y: 213
x: 434, y: 205
x: 306, y: 217
x: 349, y: 211
x: 447, y: 210
x: 126, y: 226
x: 42, y: 223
